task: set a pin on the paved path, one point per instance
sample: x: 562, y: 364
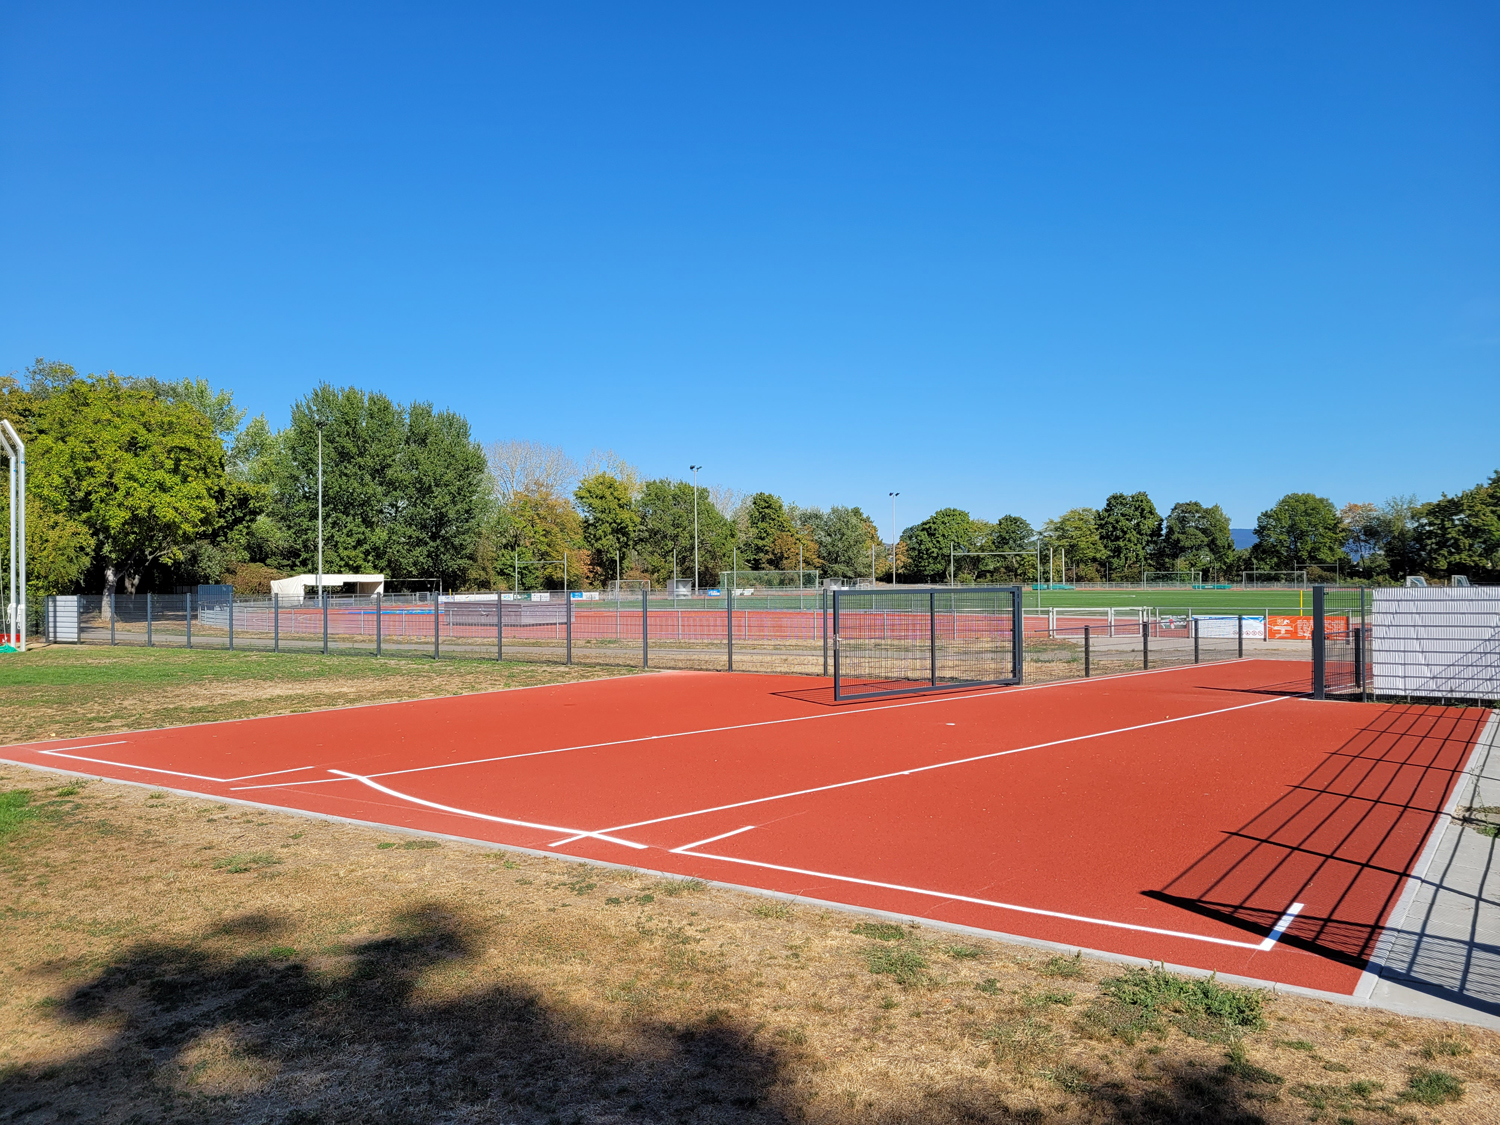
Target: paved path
x: 1441, y: 955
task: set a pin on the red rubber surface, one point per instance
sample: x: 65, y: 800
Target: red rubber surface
x: 1199, y: 800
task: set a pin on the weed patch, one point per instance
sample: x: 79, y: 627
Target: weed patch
x: 905, y: 965
x: 1066, y: 967
x: 674, y: 887
x: 1432, y: 1087
x: 1142, y: 1001
x: 1445, y: 1047
x: 1242, y: 1068
x: 880, y: 931
x: 245, y: 861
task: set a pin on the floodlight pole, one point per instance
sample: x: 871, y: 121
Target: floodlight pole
x: 16, y: 448
x: 320, y: 512
x: 893, y: 537
x: 695, y: 469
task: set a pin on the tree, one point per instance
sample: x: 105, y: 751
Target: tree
x: 1197, y: 538
x: 405, y: 490
x: 929, y: 544
x: 769, y: 532
x: 529, y: 467
x: 842, y: 537
x: 140, y: 475
x: 1301, y: 530
x: 666, y: 531
x: 1461, y: 534
x: 1129, y: 528
x: 443, y: 497
x: 1074, y: 537
x: 610, y: 521
x: 1010, y: 534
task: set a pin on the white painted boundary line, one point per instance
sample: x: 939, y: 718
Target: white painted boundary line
x: 479, y: 815
x: 1488, y: 740
x: 953, y: 698
x: 1262, y: 946
x: 924, y: 769
x: 63, y: 753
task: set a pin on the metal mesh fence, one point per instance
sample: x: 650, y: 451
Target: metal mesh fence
x: 893, y: 641
x: 904, y: 636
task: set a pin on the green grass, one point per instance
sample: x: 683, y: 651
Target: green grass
x: 1432, y: 1087
x: 1143, y: 1001
x: 901, y: 962
x: 15, y: 811
x: 1199, y: 601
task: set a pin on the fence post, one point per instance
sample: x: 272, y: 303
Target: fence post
x: 1195, y: 639
x: 499, y: 628
x: 323, y: 597
x: 1359, y: 663
x: 1240, y: 633
x: 1145, y: 646
x: 437, y: 631
x: 645, y: 628
x: 932, y: 635
x: 836, y: 646
x: 148, y: 621
x: 189, y: 617
x: 729, y: 633
x: 1018, y: 632
x: 1318, y: 655
x: 1085, y: 652
x: 111, y: 617
x: 275, y: 622
x: 231, y: 622
x: 823, y: 621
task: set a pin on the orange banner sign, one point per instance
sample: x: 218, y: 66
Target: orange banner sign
x: 1300, y: 628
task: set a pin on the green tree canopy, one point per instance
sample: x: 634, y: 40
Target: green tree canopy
x: 404, y: 489
x: 142, y: 476
x: 1078, y: 555
x: 767, y: 524
x: 843, y: 537
x: 1129, y: 528
x: 1010, y: 534
x: 610, y: 520
x: 1197, y: 538
x: 666, y: 511
x: 928, y: 543
x: 1301, y: 529
x: 1461, y: 534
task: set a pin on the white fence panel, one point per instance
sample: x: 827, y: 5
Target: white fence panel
x: 1441, y: 642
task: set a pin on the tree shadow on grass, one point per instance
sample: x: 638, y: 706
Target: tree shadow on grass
x: 201, y: 1036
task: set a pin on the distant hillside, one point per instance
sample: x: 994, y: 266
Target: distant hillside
x: 1243, y: 537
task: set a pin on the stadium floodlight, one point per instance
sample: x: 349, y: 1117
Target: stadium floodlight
x: 695, y: 469
x: 893, y: 537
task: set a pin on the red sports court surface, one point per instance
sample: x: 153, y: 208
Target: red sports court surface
x: 1198, y: 816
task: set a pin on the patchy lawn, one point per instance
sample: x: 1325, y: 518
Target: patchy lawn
x: 63, y: 691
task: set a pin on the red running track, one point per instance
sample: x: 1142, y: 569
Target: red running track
x: 1190, y: 815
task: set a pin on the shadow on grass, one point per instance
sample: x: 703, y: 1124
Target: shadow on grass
x: 357, y: 1043
x: 190, y: 1034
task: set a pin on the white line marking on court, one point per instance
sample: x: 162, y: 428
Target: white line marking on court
x: 954, y: 698
x: 482, y: 816
x: 63, y: 753
x: 1265, y: 945
x: 924, y: 769
x: 712, y: 839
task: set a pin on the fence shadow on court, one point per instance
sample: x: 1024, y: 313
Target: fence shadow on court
x: 1354, y: 827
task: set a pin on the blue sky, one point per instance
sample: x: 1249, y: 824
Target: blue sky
x: 1009, y: 258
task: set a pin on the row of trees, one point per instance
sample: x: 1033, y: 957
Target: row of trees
x: 144, y: 484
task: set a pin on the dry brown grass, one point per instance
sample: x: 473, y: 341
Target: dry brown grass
x: 168, y: 958
x: 64, y: 691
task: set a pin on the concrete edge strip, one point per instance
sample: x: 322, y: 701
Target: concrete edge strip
x: 1468, y: 780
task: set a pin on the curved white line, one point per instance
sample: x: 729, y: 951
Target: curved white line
x: 482, y: 816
